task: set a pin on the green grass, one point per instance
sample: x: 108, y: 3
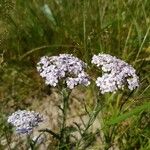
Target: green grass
x: 30, y: 29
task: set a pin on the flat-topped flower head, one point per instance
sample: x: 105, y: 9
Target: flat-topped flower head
x: 65, y: 67
x: 24, y: 121
x: 115, y: 73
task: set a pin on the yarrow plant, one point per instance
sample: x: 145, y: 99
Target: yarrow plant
x: 115, y: 73
x: 69, y: 71
x: 25, y: 121
x: 64, y: 66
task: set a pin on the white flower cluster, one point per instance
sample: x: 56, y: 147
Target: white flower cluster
x: 25, y: 121
x: 64, y: 66
x: 115, y: 73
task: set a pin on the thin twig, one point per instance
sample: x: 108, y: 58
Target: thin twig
x: 51, y: 132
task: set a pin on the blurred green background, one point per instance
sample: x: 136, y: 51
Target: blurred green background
x: 30, y: 29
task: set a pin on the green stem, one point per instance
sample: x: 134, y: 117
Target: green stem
x: 55, y: 135
x: 30, y: 142
x: 91, y: 120
x: 63, y: 140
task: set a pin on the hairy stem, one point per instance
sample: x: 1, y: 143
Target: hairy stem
x: 30, y: 142
x: 63, y: 138
x: 91, y: 120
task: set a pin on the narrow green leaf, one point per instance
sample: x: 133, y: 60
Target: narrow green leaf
x: 135, y: 111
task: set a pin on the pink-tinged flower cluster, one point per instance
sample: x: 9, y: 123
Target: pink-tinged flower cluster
x: 115, y: 73
x: 63, y: 67
x: 25, y: 121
